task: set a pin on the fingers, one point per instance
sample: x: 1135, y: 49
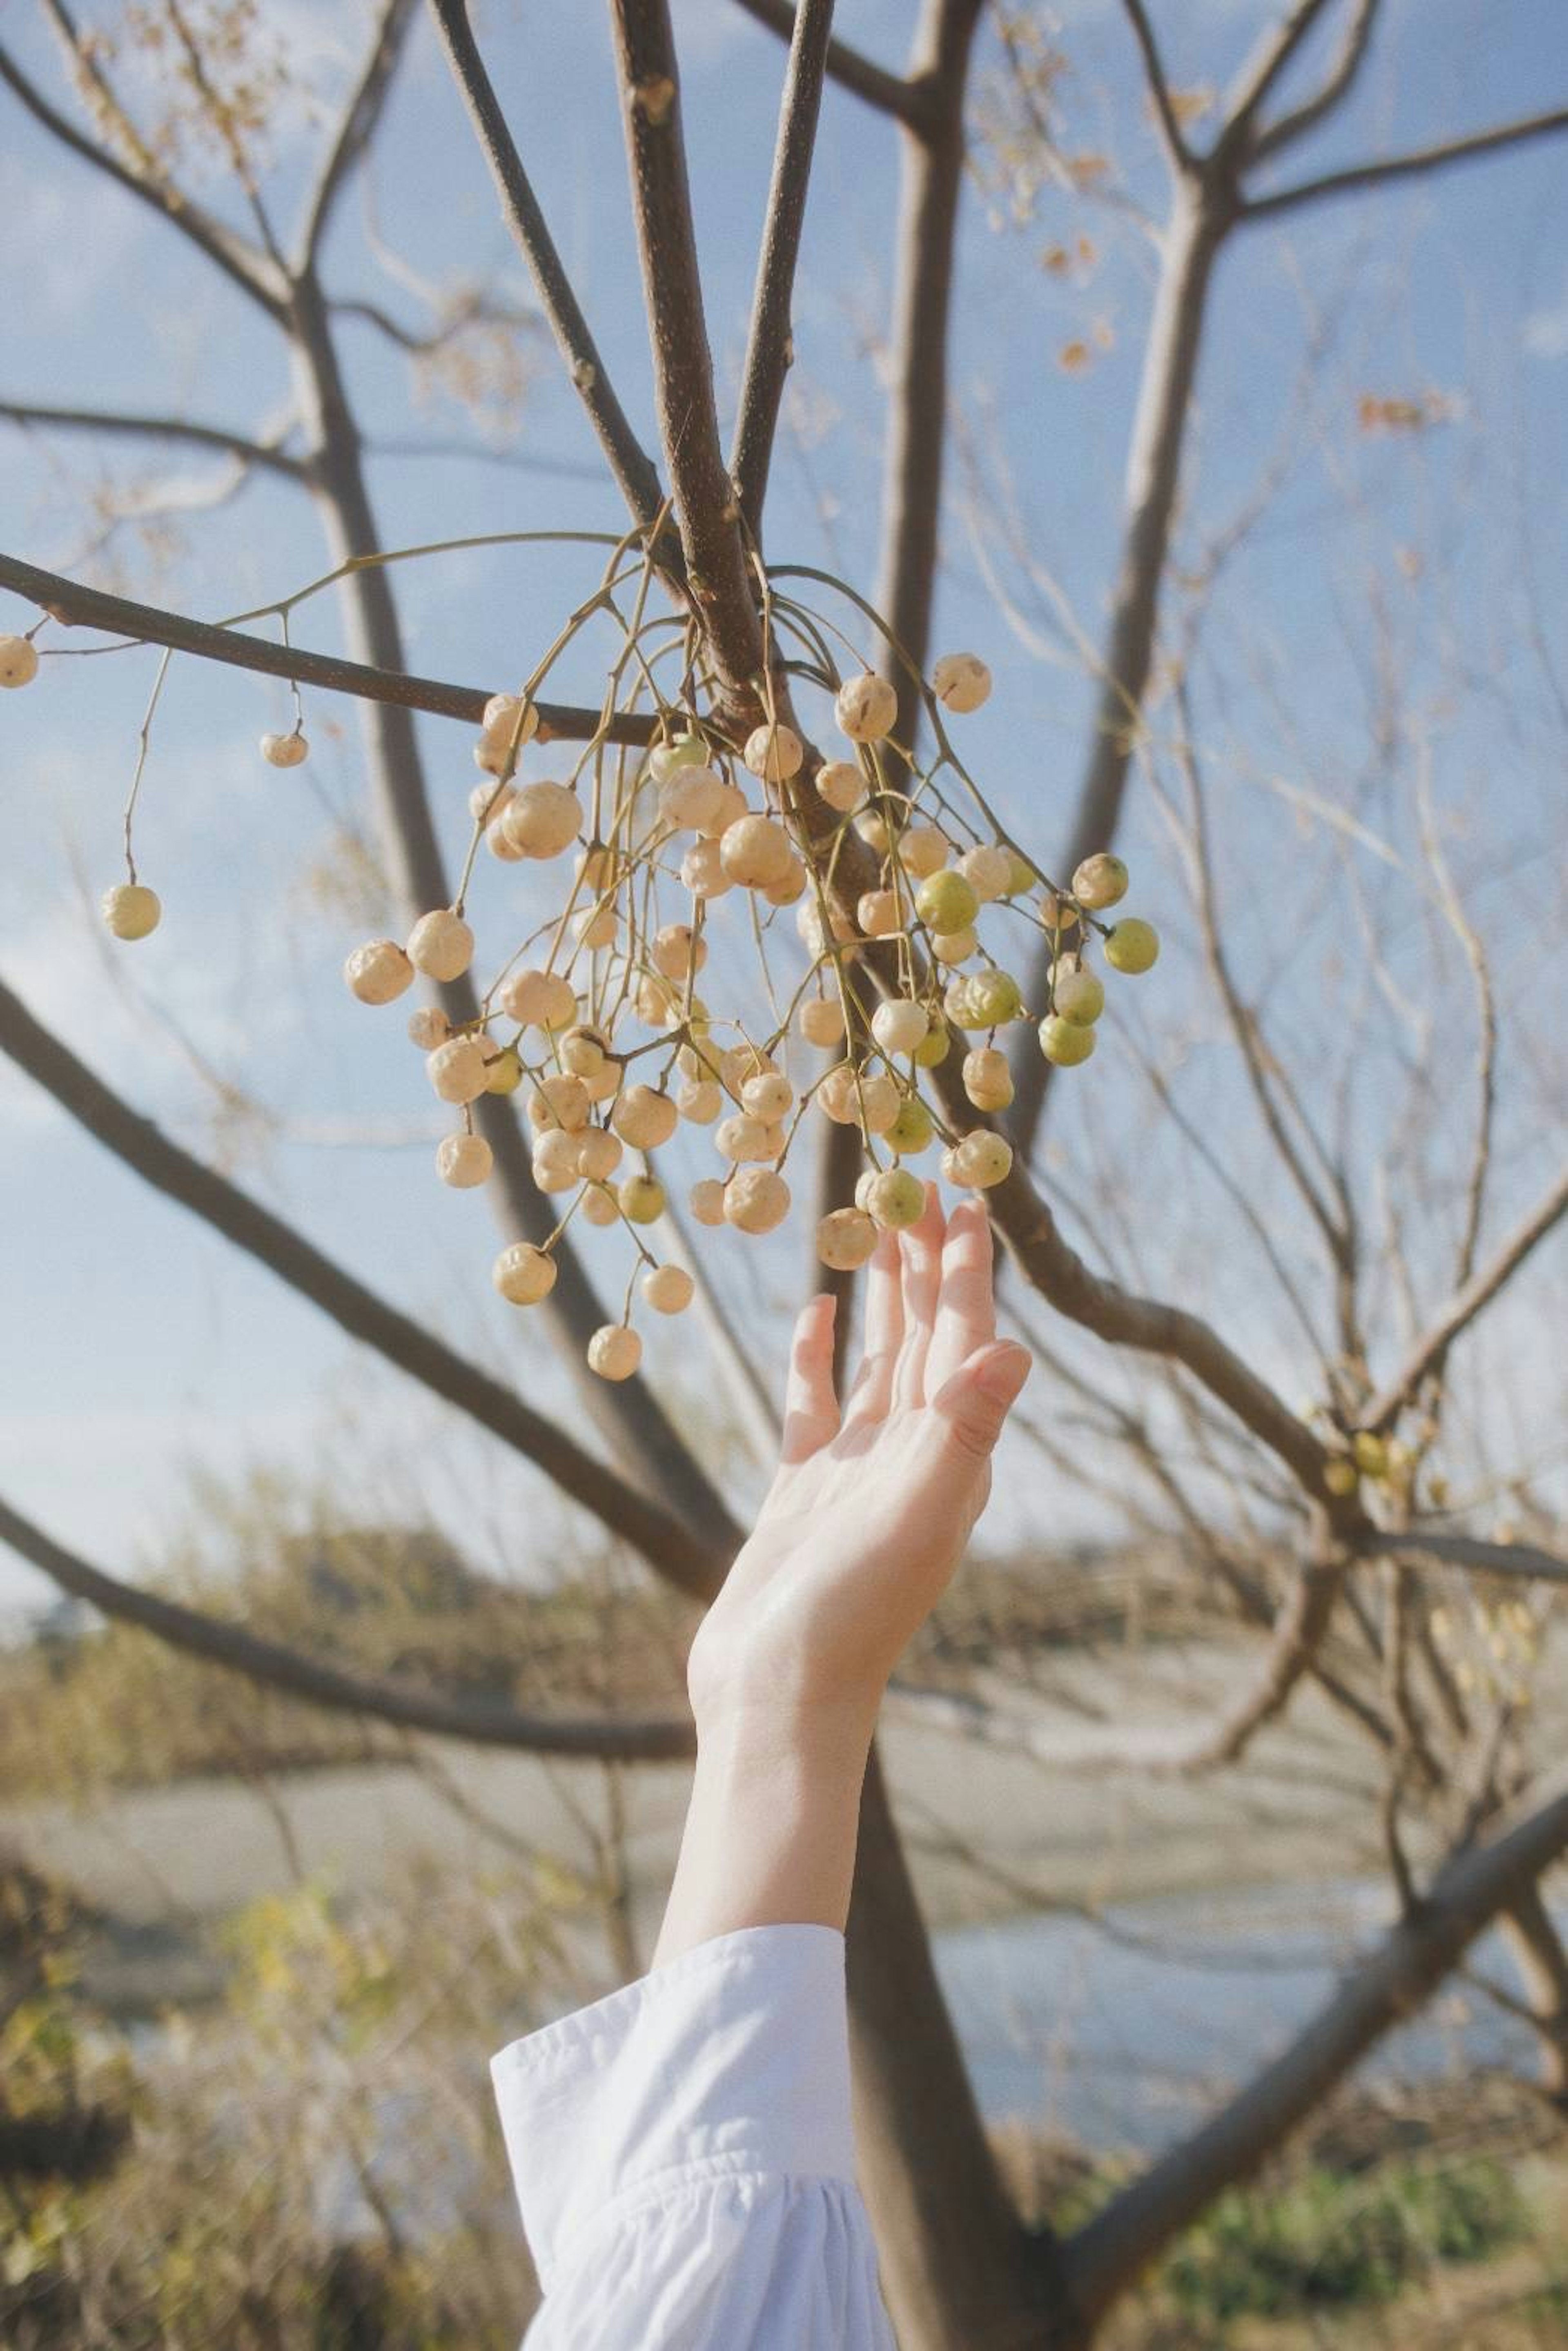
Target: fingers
x: 920, y: 1263
x: 810, y: 1407
x: 872, y: 1390
x: 975, y: 1403
x: 965, y: 1310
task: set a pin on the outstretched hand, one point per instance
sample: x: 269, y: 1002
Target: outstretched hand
x: 871, y: 1507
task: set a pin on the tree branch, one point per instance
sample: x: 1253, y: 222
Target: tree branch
x: 485, y: 1721
x: 1401, y: 1976
x: 1525, y: 1561
x: 216, y: 437
x: 770, y: 348
x: 73, y: 604
x: 356, y: 126
x: 1404, y: 167
x: 1275, y: 49
x: 677, y: 1551
x: 1431, y: 1350
x: 1175, y: 145
x: 907, y: 102
x: 1336, y: 84
x: 633, y: 468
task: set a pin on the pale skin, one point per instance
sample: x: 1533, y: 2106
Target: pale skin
x: 865, y: 1521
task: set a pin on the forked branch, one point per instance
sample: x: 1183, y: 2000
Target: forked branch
x: 1387, y: 168
x: 889, y: 92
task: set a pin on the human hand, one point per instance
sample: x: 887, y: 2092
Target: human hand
x: 868, y: 1514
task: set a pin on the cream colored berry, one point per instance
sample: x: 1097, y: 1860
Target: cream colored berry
x: 441, y: 944
x: 982, y: 1159
x: 865, y: 708
x: 598, y: 869
x: 595, y: 926
x: 954, y: 947
x: 899, y: 1026
x: 912, y: 1131
x: 555, y: 1159
x: 837, y: 1095
x: 923, y: 849
x: 489, y: 801
x: 678, y: 951
x: 1057, y: 913
x: 988, y: 1080
x: 774, y: 752
x: 739, y: 1138
x: 600, y: 1205
x: 285, y: 751
x: 376, y: 973
x: 845, y: 1239
x: 960, y: 682
x: 816, y: 929
x: 457, y: 1069
x: 543, y: 820
x: 878, y: 1104
x: 1132, y: 945
x: 503, y: 1071
x: 879, y: 913
x: 508, y: 716
x: 582, y: 1050
x: 615, y: 1351
x: 769, y: 1096
x: 707, y: 1201
x: 691, y: 798
x: 524, y: 1274
x: 1078, y: 994
x: 598, y: 1153
x: 560, y: 1100
x: 131, y: 911
x: 1101, y: 880
x: 756, y: 1200
x: 840, y: 784
x: 668, y: 1289
x: 874, y: 829
x: 731, y: 807
x: 989, y: 871
x: 18, y: 660
x: 463, y: 1160
x: 644, y: 1118
x: 820, y: 1020
x: 642, y: 1200
x: 701, y: 1101
x: 539, y: 999
x: 428, y: 1028
x: 1066, y: 1042
x: 790, y: 887
x: 655, y: 1002
x: 702, y: 870
x: 756, y: 852
x: 604, y: 1082
x: 667, y: 760
x: 895, y: 1198
x: 500, y: 842
x: 933, y: 1047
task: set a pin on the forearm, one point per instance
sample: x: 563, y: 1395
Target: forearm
x: 770, y: 1831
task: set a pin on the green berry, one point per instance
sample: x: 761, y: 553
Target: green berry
x: 1066, y: 1042
x: 1132, y: 945
x: 946, y: 903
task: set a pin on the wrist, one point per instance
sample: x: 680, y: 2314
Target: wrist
x: 748, y: 1731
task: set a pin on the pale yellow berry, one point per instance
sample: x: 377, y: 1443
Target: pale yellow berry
x: 582, y: 1052
x: 1066, y: 1043
x: 560, y: 1101
x: 1101, y: 880
x: 508, y: 717
x: 768, y: 1096
x: 555, y: 1159
x: 600, y: 1205
x: 655, y: 1002
x: 895, y: 1198
x: 503, y: 1071
x: 487, y: 802
x: 820, y: 1020
x: 285, y: 751
x: 668, y: 1289
x: 428, y: 1028
x: 816, y: 928
x: 376, y: 973
x: 944, y: 902
x: 615, y: 1351
x: 954, y: 947
x: 441, y: 944
x: 702, y: 870
x: 1341, y: 1477
x: 644, y: 1118
x: 790, y: 888
x: 458, y: 1070
x: 982, y: 1159
x: 865, y: 708
x: 912, y: 1130
x: 863, y: 1183
x: 988, y: 1080
x: 707, y: 1201
x: 18, y: 660
x: 1058, y: 914
x: 642, y: 1200
x: 539, y: 999
x: 524, y: 1274
x: 989, y: 871
x: 604, y: 1082
x: 731, y: 806
x: 131, y: 911
x: 960, y: 682
x: 837, y: 1095
x: 874, y: 829
x: 842, y: 785
x: 878, y: 1103
x: 774, y: 752
x: 595, y: 926
x: 701, y: 1101
x: 463, y: 1160
x: 1078, y: 996
x: 845, y: 1239
x: 756, y: 1200
x: 598, y: 869
x: 543, y: 820
x: 757, y: 852
x: 667, y: 760
x: 690, y: 799
x: 1132, y: 945
x: 500, y: 842
x: 598, y: 1153
x: 923, y: 849
x: 879, y: 913
x: 739, y: 1138
x: 900, y: 1025
x: 678, y: 951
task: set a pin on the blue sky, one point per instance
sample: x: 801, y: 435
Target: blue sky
x: 141, y: 1347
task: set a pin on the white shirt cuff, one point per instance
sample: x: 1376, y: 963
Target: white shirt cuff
x: 732, y: 2058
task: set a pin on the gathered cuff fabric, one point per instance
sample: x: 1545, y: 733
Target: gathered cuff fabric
x: 730, y: 2062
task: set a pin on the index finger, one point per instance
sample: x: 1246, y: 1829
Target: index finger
x: 966, y: 1308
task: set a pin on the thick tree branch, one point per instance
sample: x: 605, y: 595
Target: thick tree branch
x: 1175, y: 145
x: 679, y: 1552
x: 770, y: 345
x: 908, y: 102
x: 633, y: 468
x: 356, y: 126
x: 1405, y: 167
x: 1135, y: 2226
x: 216, y: 438
x: 485, y: 1721
x: 1431, y: 1349
x: 1525, y: 1561
x: 72, y: 603
x: 240, y: 261
x: 1336, y: 84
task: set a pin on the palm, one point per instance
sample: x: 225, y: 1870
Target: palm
x: 869, y: 1512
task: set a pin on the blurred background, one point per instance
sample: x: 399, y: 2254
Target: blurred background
x: 255, y: 1953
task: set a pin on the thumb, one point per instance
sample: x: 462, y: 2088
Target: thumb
x: 976, y: 1400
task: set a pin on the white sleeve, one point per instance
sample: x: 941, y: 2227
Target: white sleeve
x: 684, y: 2159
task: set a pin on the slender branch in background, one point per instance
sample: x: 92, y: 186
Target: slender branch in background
x: 420, y: 344
x: 355, y: 126
x: 1171, y: 138
x: 1405, y: 167
x: 770, y: 344
x: 484, y: 1721
x: 1336, y: 84
x: 1272, y: 52
x: 888, y: 91
x: 1526, y: 1562
x: 1430, y: 1352
x: 1542, y: 1963
x: 216, y: 438
x: 1130, y: 2232
x: 718, y: 577
x: 680, y: 1552
x: 633, y: 468
x: 74, y: 604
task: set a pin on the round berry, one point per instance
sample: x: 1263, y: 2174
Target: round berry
x: 542, y: 819
x: 615, y: 1351
x: 18, y: 660
x: 555, y: 1160
x: 463, y: 1160
x: 599, y: 1205
x: 441, y: 944
x: 845, y: 1239
x: 1132, y: 945
x: 642, y: 1200
x: 458, y: 1070
x: 944, y: 902
x: 989, y: 871
x: 935, y: 1046
x: 1066, y: 1042
x: 865, y: 708
x: 701, y: 1101
x: 960, y: 682
x: 428, y: 1028
x: 789, y: 888
x: 756, y: 852
x: 988, y: 1081
x: 598, y: 1153
x: 895, y: 1198
x: 899, y: 1026
x: 922, y: 851
x: 539, y: 999
x: 994, y: 998
x: 756, y: 1200
x: 667, y: 760
x: 774, y: 752
x: 668, y: 1289
x: 690, y: 799
x: 524, y: 1274
x: 702, y: 870
x: 982, y: 1159
x: 644, y: 1118
x: 954, y: 946
x: 769, y: 1096
x: 677, y: 952
x: 912, y: 1131
x: 1100, y: 881
x: 707, y: 1201
x: 285, y: 751
x: 878, y: 1102
x: 378, y: 972
x: 740, y: 1138
x: 731, y: 806
x: 1341, y: 1477
x: 131, y: 911
x: 1078, y: 996
x: 503, y: 1071
x: 820, y: 1020
x: 562, y: 1101
x: 840, y: 784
